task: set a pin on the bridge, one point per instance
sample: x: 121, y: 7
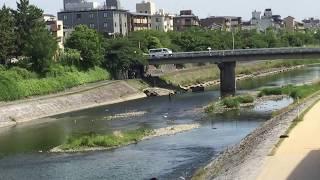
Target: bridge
x: 226, y: 60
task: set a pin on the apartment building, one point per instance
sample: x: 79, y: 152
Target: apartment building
x: 55, y: 27
x: 146, y: 7
x: 289, y: 23
x: 311, y: 23
x: 185, y: 20
x: 162, y: 21
x: 107, y: 19
x: 226, y: 23
x: 139, y: 21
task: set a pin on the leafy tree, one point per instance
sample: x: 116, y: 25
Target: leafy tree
x: 41, y: 49
x: 154, y: 42
x: 90, y: 45
x: 121, y: 56
x: 7, y: 44
x: 27, y: 19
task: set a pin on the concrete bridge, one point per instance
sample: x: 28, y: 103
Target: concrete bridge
x: 226, y: 60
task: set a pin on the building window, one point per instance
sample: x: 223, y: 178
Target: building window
x: 78, y: 16
x: 105, y: 15
x: 91, y: 16
x: 115, y: 24
x: 65, y: 17
x: 59, y: 27
x: 125, y: 25
x: 91, y: 26
x: 146, y: 12
x: 157, y: 19
x: 105, y: 25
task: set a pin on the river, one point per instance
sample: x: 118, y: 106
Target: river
x: 23, y: 149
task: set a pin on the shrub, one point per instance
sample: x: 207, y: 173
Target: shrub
x: 231, y: 102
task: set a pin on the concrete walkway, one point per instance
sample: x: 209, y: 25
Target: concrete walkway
x: 298, y: 157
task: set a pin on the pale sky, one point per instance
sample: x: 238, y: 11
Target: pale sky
x: 297, y: 8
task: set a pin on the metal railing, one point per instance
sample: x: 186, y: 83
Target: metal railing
x: 238, y: 52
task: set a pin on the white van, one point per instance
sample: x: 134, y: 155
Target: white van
x: 160, y: 52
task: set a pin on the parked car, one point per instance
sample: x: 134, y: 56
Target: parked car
x: 160, y: 52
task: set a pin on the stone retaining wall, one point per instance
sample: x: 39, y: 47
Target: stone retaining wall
x: 13, y: 113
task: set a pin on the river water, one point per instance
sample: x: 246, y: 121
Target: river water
x: 23, y: 149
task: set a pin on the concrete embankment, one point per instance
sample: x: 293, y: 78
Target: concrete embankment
x: 13, y: 113
x: 246, y: 159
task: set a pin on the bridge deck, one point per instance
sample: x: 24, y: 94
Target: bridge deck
x: 237, y: 55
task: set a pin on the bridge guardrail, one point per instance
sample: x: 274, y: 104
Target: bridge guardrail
x: 240, y: 52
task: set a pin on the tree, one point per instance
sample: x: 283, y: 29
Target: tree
x: 27, y: 19
x: 90, y: 45
x: 121, y: 55
x: 41, y: 49
x: 7, y: 44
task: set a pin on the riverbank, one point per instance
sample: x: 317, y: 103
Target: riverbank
x: 103, y: 93
x: 245, y: 160
x: 298, y: 155
x: 119, y: 139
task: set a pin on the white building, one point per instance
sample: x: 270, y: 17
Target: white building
x: 266, y: 21
x: 55, y: 27
x: 146, y: 7
x: 162, y: 21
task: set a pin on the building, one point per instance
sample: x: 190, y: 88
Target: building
x: 112, y: 4
x: 311, y: 23
x: 55, y: 27
x: 146, y: 7
x: 185, y: 20
x: 162, y: 21
x: 225, y: 23
x: 139, y: 21
x: 77, y: 5
x: 266, y: 21
x: 289, y: 23
x: 104, y: 20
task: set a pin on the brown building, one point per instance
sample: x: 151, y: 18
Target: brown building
x: 139, y: 21
x: 226, y: 23
x: 289, y: 23
x: 185, y: 20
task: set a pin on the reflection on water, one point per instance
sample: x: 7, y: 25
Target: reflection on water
x: 164, y: 157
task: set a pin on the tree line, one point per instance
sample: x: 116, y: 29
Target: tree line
x: 24, y: 36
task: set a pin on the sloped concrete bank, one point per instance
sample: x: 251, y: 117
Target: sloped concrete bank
x: 13, y: 113
x: 245, y: 160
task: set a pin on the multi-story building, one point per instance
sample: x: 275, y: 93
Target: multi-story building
x: 311, y: 23
x: 266, y: 21
x: 146, y: 7
x: 162, y: 21
x: 108, y: 19
x: 289, y: 23
x: 226, y: 23
x: 185, y: 20
x: 55, y: 27
x: 139, y: 21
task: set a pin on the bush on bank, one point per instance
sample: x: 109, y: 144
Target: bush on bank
x: 296, y: 92
x: 16, y: 84
x: 108, y: 141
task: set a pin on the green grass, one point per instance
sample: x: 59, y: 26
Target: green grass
x: 17, y: 85
x: 296, y: 92
x: 211, y: 72
x: 107, y: 141
x: 230, y: 103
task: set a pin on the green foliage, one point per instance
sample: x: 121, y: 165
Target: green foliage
x: 109, y: 141
x: 121, y: 55
x: 231, y: 102
x: 7, y: 36
x: 41, y: 48
x: 15, y: 83
x: 89, y: 43
x: 296, y: 92
x: 27, y: 19
x: 70, y: 57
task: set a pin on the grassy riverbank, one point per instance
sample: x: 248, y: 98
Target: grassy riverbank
x: 296, y: 92
x: 229, y: 103
x: 211, y: 72
x: 18, y: 83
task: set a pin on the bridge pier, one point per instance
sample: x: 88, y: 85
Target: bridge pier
x: 227, y: 78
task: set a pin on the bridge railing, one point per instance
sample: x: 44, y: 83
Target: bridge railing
x: 239, y: 52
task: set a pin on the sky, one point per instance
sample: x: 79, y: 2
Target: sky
x: 297, y: 8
